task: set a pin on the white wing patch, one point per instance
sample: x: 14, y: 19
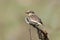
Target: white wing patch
x: 36, y: 22
x: 26, y: 20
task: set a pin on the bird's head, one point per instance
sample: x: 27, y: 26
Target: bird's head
x: 29, y: 12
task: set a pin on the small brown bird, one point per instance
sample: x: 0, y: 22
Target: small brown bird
x: 33, y: 19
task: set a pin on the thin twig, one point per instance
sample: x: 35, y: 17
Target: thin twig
x: 30, y: 33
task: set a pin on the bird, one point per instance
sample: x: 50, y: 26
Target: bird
x: 32, y: 19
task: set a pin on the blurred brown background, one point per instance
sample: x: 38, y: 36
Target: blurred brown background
x: 12, y: 14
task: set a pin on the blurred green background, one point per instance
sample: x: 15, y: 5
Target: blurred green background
x: 12, y: 22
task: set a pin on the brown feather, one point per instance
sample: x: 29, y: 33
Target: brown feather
x: 35, y: 18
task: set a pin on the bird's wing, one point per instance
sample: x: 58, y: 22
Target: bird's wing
x: 35, y: 18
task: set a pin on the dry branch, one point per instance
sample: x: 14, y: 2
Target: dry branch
x: 41, y: 34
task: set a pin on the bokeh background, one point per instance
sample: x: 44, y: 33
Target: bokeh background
x: 12, y: 14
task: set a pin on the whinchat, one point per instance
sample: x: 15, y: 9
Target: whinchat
x: 32, y: 18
